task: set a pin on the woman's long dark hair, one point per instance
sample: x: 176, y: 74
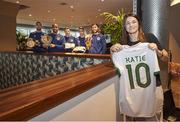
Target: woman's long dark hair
x: 125, y: 35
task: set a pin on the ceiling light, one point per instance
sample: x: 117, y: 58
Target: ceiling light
x: 71, y: 6
x: 49, y: 11
x: 30, y: 15
x: 102, y: 0
x: 17, y: 1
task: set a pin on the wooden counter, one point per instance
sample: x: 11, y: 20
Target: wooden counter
x: 31, y: 99
x: 82, y: 55
x: 22, y: 67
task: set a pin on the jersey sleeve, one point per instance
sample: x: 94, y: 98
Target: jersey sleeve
x: 117, y: 63
x: 157, y: 69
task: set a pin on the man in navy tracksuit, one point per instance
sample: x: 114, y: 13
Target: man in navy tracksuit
x: 81, y: 39
x: 98, y: 42
x: 69, y: 39
x: 57, y: 43
x: 37, y: 37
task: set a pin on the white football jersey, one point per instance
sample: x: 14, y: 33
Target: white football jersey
x: 138, y: 94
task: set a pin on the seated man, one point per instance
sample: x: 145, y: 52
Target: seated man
x: 57, y: 43
x: 36, y: 36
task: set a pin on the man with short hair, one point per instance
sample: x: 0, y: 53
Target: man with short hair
x: 81, y: 39
x: 70, y: 41
x: 57, y: 43
x: 36, y: 36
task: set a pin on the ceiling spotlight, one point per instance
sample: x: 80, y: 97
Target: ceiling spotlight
x: 17, y: 1
x: 30, y: 15
x: 71, y: 6
x: 102, y: 0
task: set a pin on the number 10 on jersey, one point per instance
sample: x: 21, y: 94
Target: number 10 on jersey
x: 137, y: 78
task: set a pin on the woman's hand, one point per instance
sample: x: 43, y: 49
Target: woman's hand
x: 162, y: 54
x: 153, y: 46
x: 116, y: 47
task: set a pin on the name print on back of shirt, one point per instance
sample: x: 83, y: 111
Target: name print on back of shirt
x: 135, y: 59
